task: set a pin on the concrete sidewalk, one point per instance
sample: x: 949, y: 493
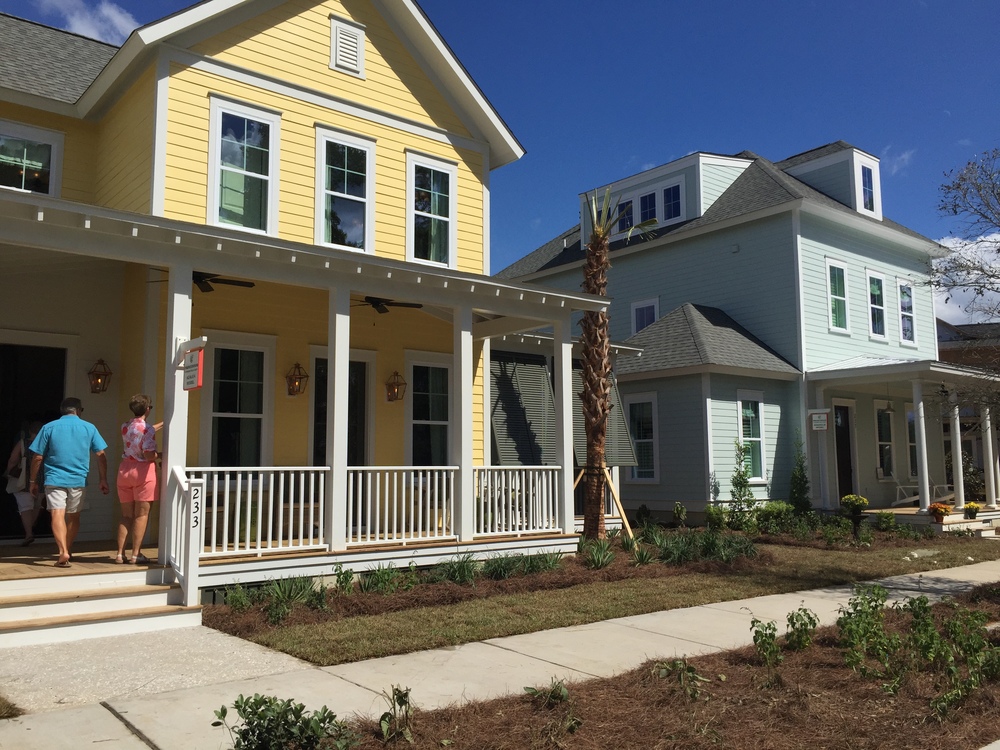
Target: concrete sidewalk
x: 159, y: 690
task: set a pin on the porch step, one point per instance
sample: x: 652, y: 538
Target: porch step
x: 59, y: 604
x: 97, y: 625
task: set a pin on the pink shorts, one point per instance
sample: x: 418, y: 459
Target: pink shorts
x: 136, y: 481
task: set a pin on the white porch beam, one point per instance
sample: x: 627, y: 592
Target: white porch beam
x: 562, y: 365
x: 989, y: 463
x: 175, y: 405
x: 338, y: 374
x: 957, y: 475
x: 923, y: 479
x: 461, y: 448
x: 502, y: 326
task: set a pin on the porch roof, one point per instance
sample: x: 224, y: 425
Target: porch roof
x: 865, y: 370
x: 38, y: 222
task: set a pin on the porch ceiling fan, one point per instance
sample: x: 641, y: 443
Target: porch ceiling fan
x: 381, y: 304
x: 204, y: 281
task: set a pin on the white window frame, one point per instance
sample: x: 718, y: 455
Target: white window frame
x: 830, y: 264
x: 413, y: 358
x: 640, y: 304
x: 640, y: 196
x: 342, y: 31
x: 911, y: 446
x: 248, y: 342
x: 900, y: 283
x: 626, y: 212
x: 218, y: 107
x: 871, y: 306
x: 413, y: 160
x: 757, y: 396
x: 858, y: 164
x: 883, y: 406
x: 662, y: 221
x: 52, y: 138
x: 645, y: 398
x: 325, y: 135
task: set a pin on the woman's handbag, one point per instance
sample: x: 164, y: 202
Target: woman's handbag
x: 16, y: 476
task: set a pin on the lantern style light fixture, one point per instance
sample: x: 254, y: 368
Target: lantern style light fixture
x: 395, y: 387
x: 99, y: 376
x: 296, y: 380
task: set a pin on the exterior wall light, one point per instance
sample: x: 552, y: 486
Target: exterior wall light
x: 395, y: 387
x: 99, y: 376
x: 296, y: 380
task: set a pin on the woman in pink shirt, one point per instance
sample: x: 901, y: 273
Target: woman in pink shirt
x: 136, y: 478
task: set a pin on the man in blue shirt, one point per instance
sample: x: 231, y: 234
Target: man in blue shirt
x: 64, y: 446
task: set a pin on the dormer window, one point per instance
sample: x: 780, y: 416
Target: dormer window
x: 868, y: 188
x: 647, y: 207
x: 672, y: 205
x: 347, y: 46
x: 626, y: 219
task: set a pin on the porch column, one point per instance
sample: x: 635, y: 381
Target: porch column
x: 175, y: 406
x: 923, y: 479
x: 562, y: 367
x: 988, y: 464
x: 822, y: 438
x: 461, y: 448
x: 337, y: 375
x: 957, y: 475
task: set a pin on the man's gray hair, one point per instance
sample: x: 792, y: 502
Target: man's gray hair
x: 71, y: 405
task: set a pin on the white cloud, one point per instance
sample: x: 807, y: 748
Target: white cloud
x: 964, y: 142
x: 894, y: 163
x: 103, y: 20
x: 957, y: 306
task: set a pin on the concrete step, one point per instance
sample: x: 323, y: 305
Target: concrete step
x: 32, y: 632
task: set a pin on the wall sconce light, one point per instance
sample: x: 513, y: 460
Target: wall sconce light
x: 395, y: 387
x: 296, y: 380
x: 99, y: 376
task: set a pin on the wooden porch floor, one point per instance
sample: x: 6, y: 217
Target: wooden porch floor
x: 38, y: 560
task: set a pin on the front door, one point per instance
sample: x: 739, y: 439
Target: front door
x: 845, y: 450
x: 31, y: 388
x: 357, y: 413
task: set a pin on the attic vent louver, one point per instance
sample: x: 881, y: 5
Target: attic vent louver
x: 347, y: 47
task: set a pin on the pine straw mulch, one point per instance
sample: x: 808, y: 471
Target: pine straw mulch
x: 819, y: 703
x: 571, y: 572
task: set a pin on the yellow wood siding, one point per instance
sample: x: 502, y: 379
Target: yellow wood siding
x: 125, y: 149
x: 292, y: 43
x: 79, y: 148
x: 187, y: 173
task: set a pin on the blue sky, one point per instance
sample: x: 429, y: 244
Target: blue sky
x: 596, y: 92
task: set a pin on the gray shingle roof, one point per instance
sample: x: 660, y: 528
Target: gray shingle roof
x: 762, y: 185
x: 813, y: 153
x: 700, y: 336
x: 48, y: 62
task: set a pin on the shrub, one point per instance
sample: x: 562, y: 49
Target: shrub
x: 743, y: 502
x: 678, y: 549
x: 885, y: 521
x: 344, y: 578
x: 461, y: 570
x: 384, y: 579
x: 643, y: 516
x: 715, y: 517
x: 801, y: 625
x: 541, y: 562
x: 238, y: 597
x: 798, y: 493
x: 775, y: 517
x: 282, y: 594
x: 853, y: 504
x: 680, y: 514
x: 765, y: 640
x: 268, y: 722
x: 501, y: 567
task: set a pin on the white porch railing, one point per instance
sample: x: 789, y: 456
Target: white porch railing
x: 262, y: 509
x: 400, y: 504
x: 516, y: 500
x: 183, y: 545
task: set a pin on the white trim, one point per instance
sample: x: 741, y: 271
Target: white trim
x: 649, y: 397
x: 883, y: 406
x: 852, y: 414
x: 340, y: 30
x: 67, y: 341
x: 161, y: 119
x: 706, y: 397
x: 413, y: 357
x: 644, y: 303
x: 51, y: 138
x: 324, y: 135
x: 913, y: 310
x: 487, y: 226
x: 871, y: 306
x: 368, y: 356
x: 758, y: 397
x: 267, y: 344
x: 829, y: 298
x: 632, y: 195
x: 220, y: 105
x: 859, y: 163
x: 413, y: 160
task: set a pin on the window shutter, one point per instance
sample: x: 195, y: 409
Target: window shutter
x: 618, y: 449
x: 348, y: 48
x: 523, y: 409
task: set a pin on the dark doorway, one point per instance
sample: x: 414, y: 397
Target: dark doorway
x: 845, y: 450
x: 357, y: 413
x: 31, y: 387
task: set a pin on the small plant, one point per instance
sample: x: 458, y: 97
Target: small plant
x: 884, y: 521
x: 642, y: 556
x: 687, y: 676
x: 501, y: 567
x: 282, y: 594
x: 397, y: 722
x: 628, y: 543
x: 680, y: 514
x: 238, y: 597
x: 384, y: 579
x: 553, y: 695
x: 268, y: 722
x: 765, y: 640
x: 740, y: 515
x: 598, y: 554
x: 801, y: 626
x: 540, y: 563
x: 798, y: 492
x: 862, y: 630
x: 853, y: 504
x: 939, y: 510
x: 344, y: 578
x: 461, y: 570
x: 775, y: 517
x: 972, y: 510
x: 613, y: 533
x: 317, y: 598
x: 715, y: 517
x: 643, y: 516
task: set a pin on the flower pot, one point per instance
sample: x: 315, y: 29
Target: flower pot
x: 971, y: 514
x: 938, y: 518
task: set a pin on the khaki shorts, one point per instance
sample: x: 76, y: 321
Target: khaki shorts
x: 26, y: 502
x: 69, y: 499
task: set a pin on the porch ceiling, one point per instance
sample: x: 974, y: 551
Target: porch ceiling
x: 28, y: 220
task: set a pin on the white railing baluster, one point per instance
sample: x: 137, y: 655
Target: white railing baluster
x: 516, y: 500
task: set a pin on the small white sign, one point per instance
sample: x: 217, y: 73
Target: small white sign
x: 820, y: 421
x: 194, y: 369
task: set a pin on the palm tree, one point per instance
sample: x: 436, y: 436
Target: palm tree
x: 596, y: 345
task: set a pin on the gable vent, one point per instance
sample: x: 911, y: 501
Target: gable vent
x: 347, y: 47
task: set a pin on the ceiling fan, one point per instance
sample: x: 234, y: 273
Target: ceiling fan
x: 381, y: 304
x: 204, y: 281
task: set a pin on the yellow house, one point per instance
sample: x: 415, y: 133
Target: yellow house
x: 296, y: 196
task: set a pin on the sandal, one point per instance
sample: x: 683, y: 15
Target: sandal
x: 62, y: 564
x: 119, y: 559
x: 140, y: 559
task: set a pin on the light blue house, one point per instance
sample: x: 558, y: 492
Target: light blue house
x: 775, y: 305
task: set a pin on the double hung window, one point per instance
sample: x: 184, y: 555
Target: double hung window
x: 876, y: 305
x: 432, y: 205
x: 750, y: 405
x: 883, y: 431
x: 868, y: 188
x: 911, y: 439
x: 430, y: 417
x: 907, y: 330
x: 643, y: 314
x: 837, y: 288
x: 626, y: 218
x: 29, y: 158
x: 346, y: 207
x: 672, y: 202
x: 647, y: 207
x: 243, y: 156
x: 642, y: 426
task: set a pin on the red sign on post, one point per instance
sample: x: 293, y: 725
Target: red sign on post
x: 194, y: 368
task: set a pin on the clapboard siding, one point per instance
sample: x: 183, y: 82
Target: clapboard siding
x: 715, y: 180
x: 833, y: 180
x: 125, y: 149
x: 858, y: 254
